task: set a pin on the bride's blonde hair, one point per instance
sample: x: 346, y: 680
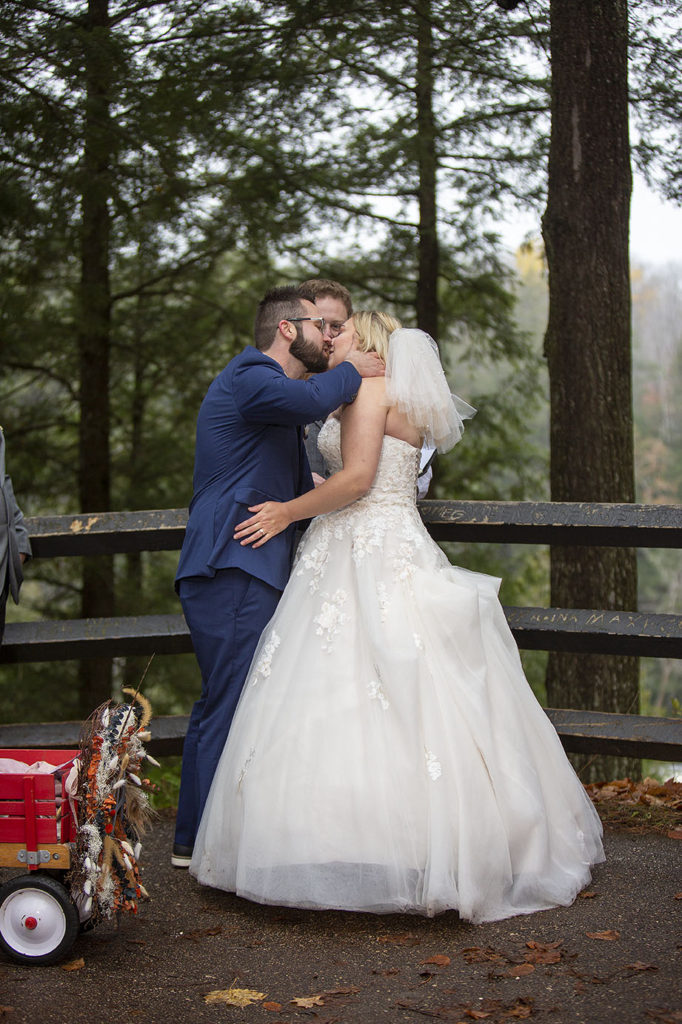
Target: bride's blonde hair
x: 373, y: 330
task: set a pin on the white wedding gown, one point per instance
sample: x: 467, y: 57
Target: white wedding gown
x: 388, y: 753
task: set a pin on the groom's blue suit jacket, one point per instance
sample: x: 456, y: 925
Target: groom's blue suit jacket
x: 249, y: 449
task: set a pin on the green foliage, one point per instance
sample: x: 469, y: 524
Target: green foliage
x: 166, y: 779
x: 255, y: 142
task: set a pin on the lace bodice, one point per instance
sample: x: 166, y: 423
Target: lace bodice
x: 396, y: 477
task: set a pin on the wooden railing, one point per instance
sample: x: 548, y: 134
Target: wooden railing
x: 552, y: 629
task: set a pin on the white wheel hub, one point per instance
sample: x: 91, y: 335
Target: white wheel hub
x: 32, y: 921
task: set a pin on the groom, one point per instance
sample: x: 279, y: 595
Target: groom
x: 249, y: 449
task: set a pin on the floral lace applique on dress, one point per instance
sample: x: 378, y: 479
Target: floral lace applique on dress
x: 432, y: 764
x: 331, y: 618
x: 263, y: 665
x: 376, y: 692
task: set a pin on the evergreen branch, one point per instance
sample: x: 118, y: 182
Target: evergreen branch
x: 55, y: 11
x: 499, y: 114
x: 42, y: 371
x: 140, y: 5
x: 165, y: 275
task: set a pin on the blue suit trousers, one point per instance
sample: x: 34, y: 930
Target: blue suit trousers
x: 226, y: 615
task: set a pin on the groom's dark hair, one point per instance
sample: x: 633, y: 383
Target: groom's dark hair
x: 277, y: 304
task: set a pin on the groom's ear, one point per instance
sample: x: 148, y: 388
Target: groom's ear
x: 286, y: 329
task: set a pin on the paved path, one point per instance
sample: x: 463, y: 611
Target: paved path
x: 157, y: 968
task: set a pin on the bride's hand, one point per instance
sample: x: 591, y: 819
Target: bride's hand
x: 270, y: 519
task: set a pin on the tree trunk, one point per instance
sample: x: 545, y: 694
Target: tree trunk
x: 428, y: 254
x: 94, y: 337
x: 587, y: 343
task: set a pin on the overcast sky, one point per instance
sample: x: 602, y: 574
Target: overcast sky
x: 655, y: 228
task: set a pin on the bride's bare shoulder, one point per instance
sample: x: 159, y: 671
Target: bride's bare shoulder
x: 373, y: 387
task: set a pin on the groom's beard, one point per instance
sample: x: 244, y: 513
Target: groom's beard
x: 314, y: 360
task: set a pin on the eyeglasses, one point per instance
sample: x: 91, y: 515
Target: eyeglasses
x: 319, y: 321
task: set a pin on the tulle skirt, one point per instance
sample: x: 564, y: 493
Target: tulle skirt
x: 388, y: 753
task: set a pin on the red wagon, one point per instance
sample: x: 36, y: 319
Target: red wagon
x: 39, y: 919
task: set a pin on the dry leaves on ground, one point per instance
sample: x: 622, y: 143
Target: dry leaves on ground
x: 479, y: 955
x: 647, y: 806
x: 234, y: 996
x: 648, y: 791
x: 495, y: 1011
x: 519, y: 970
x: 320, y: 998
x: 665, y: 1016
x: 440, y: 960
x: 607, y: 936
x: 307, y: 1002
x: 543, y: 952
x: 73, y: 965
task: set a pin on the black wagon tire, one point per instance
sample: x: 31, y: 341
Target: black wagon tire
x: 38, y: 919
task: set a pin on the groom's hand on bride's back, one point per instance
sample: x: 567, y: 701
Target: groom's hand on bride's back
x: 368, y: 364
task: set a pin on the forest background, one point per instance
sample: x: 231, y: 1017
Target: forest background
x: 162, y: 164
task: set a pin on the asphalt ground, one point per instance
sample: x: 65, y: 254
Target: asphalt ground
x: 341, y: 968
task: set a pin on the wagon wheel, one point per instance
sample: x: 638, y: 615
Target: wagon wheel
x: 38, y: 919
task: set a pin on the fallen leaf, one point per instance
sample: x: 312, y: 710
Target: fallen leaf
x: 543, y: 952
x: 678, y: 896
x: 440, y: 960
x: 74, y: 965
x: 588, y: 895
x: 676, y: 833
x: 234, y: 996
x: 387, y: 972
x: 543, y: 956
x: 639, y: 966
x: 608, y: 936
x: 307, y: 1002
x: 6, y: 1009
x: 518, y: 970
x: 478, y: 1014
x: 665, y: 1016
x: 522, y: 1008
x: 476, y: 955
x: 272, y: 1006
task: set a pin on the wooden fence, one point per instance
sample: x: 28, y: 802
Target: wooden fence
x: 551, y: 629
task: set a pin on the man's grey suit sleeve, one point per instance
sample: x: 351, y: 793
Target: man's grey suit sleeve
x: 315, y: 457
x: 18, y: 522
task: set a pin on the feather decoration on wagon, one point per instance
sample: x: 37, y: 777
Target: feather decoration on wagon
x: 113, y: 810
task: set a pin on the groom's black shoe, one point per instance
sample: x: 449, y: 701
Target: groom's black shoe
x: 181, y: 856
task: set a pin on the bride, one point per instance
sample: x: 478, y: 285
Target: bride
x: 388, y: 753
